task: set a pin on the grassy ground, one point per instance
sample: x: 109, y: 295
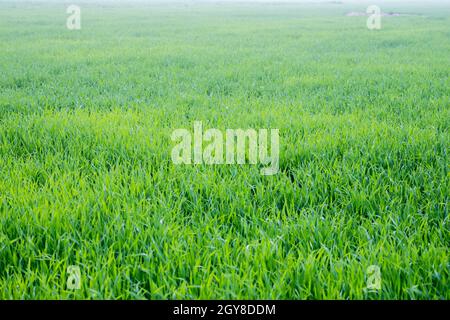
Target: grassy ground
x: 86, y: 176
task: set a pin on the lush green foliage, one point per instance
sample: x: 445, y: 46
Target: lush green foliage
x: 87, y: 178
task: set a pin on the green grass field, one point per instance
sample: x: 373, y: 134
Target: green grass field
x: 87, y: 178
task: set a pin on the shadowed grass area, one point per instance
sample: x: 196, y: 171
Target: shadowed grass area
x: 87, y: 178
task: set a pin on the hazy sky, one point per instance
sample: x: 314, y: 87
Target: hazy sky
x: 376, y: 2
x: 310, y: 1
